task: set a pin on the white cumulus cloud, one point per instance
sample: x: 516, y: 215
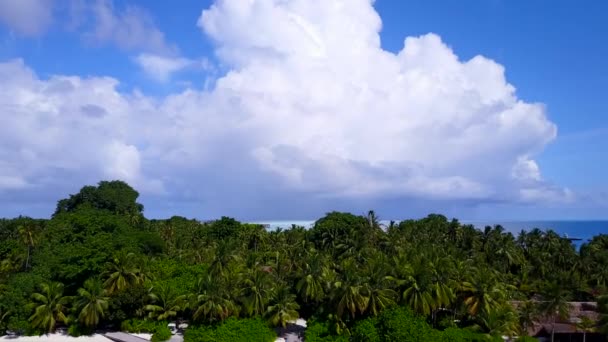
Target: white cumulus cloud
x: 310, y: 105
x: 340, y: 115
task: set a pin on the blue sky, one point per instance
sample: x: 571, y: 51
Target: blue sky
x: 270, y: 110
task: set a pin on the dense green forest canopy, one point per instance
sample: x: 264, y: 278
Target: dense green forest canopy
x: 98, y: 262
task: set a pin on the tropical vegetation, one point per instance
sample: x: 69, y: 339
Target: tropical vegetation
x: 98, y: 262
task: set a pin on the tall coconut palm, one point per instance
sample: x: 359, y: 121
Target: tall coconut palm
x: 121, y: 273
x: 554, y: 304
x: 166, y: 303
x: 379, y: 285
x: 371, y: 230
x: 50, y: 307
x: 348, y: 292
x: 91, y: 303
x: 527, y: 313
x: 311, y: 285
x: 418, y: 294
x: 585, y: 324
x: 224, y: 255
x: 256, y: 290
x: 213, y: 300
x: 29, y: 235
x: 3, y: 316
x: 602, y: 308
x: 482, y: 293
x: 283, y: 308
x: 500, y: 321
x: 379, y: 297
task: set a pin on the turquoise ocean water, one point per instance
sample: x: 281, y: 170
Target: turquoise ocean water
x: 572, y: 229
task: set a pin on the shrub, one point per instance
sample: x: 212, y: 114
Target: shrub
x: 319, y: 331
x: 366, y: 331
x: 141, y: 326
x: 232, y: 330
x: 526, y: 339
x: 400, y: 324
x: 161, y: 334
x: 461, y: 335
x: 77, y: 330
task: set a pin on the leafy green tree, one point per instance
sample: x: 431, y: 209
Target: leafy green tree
x: 114, y: 196
x: 336, y: 232
x: 128, y: 303
x: 91, y: 303
x: 50, y: 307
x: 224, y: 229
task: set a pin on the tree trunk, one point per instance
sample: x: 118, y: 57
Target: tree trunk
x: 27, y: 261
x: 584, y: 335
x: 553, y: 330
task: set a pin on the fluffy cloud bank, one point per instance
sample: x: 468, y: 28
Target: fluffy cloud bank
x: 310, y: 104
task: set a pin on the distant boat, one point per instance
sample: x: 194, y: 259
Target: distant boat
x: 571, y: 239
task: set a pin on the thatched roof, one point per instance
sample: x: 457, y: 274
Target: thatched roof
x: 568, y: 325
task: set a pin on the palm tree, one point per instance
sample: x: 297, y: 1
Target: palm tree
x: 121, y: 273
x: 283, y: 309
x: 213, y: 300
x: 28, y: 233
x: 602, y: 308
x: 311, y: 285
x: 419, y: 295
x: 371, y: 230
x: 224, y: 254
x: 349, y: 292
x: 527, y: 314
x: 378, y: 286
x: 482, y: 293
x: 92, y: 303
x: 500, y: 321
x: 50, y: 306
x: 585, y: 324
x: 166, y: 303
x: 555, y: 304
x: 256, y: 291
x: 3, y: 315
